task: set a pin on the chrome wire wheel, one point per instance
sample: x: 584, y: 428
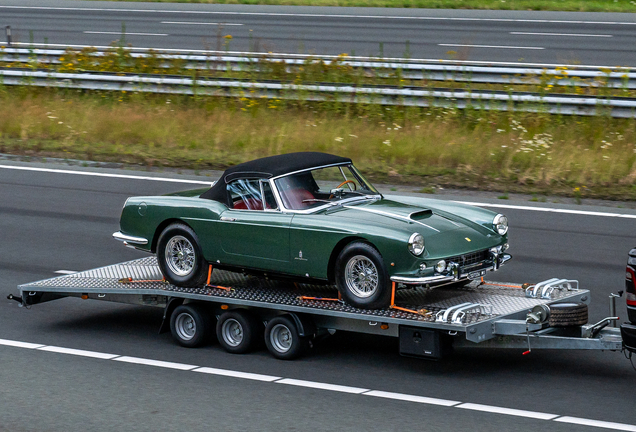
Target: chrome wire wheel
x: 180, y: 255
x: 232, y: 332
x: 281, y: 338
x: 361, y: 276
x: 185, y: 326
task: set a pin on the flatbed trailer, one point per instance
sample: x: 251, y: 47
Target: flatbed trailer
x: 241, y: 308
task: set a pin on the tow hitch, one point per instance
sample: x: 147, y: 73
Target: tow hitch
x: 16, y: 298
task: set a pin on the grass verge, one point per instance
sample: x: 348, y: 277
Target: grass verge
x: 512, y: 152
x: 548, y: 5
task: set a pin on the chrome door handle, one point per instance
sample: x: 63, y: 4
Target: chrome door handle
x: 228, y: 219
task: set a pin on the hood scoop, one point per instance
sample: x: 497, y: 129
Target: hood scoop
x: 421, y: 215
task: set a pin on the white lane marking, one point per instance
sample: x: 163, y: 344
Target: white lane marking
x: 65, y: 272
x: 127, y: 33
x: 550, y: 210
x: 490, y: 46
x: 597, y: 423
x: 562, y: 34
x: 236, y: 374
x: 332, y: 387
x: 322, y: 386
x: 411, y: 398
x: 77, y: 352
x: 312, y: 15
x: 385, y: 59
x: 158, y: 363
x: 508, y: 411
x: 201, y: 23
x: 19, y: 344
x: 209, y: 183
x: 96, y: 174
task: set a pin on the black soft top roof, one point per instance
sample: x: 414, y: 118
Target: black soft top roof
x: 271, y: 166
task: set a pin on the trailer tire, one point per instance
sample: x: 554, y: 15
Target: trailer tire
x: 362, y: 277
x: 283, y: 340
x: 238, y: 331
x: 179, y: 256
x: 191, y: 325
x: 568, y: 314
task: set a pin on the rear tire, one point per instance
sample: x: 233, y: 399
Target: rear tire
x: 191, y: 325
x: 362, y: 277
x: 180, y: 258
x: 238, y: 331
x: 283, y: 340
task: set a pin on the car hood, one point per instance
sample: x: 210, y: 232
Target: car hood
x: 442, y: 229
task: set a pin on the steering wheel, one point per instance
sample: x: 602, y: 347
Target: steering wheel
x: 355, y: 187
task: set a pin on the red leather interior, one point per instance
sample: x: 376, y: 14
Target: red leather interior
x: 248, y: 204
x: 294, y: 198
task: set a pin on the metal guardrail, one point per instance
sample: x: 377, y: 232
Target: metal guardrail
x: 412, y: 69
x: 384, y: 95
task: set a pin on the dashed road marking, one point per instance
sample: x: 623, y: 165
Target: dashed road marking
x: 77, y: 352
x: 508, y: 411
x: 236, y: 374
x: 323, y: 386
x: 65, y: 272
x: 201, y: 23
x: 562, y: 34
x: 157, y: 363
x: 490, y: 46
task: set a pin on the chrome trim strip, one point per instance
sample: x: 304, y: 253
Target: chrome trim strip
x: 311, y: 169
x: 129, y: 239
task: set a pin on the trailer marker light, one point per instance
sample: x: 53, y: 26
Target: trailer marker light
x: 84, y: 296
x: 384, y: 326
x: 225, y: 307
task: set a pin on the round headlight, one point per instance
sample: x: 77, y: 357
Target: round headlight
x: 416, y: 244
x: 500, y: 224
x: 440, y: 266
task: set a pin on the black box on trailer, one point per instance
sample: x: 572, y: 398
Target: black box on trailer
x: 418, y: 342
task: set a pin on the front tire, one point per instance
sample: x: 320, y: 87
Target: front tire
x: 362, y: 277
x: 180, y: 258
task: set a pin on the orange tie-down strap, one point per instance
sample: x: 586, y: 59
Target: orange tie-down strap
x: 131, y: 280
x: 522, y: 286
x: 422, y: 312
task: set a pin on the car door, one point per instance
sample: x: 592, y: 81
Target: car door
x: 252, y: 234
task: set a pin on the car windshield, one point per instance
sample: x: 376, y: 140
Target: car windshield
x: 315, y: 188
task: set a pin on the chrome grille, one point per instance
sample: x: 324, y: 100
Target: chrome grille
x: 470, y: 259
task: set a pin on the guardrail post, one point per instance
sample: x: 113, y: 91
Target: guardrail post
x: 8, y: 31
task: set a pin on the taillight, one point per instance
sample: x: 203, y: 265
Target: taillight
x: 630, y: 289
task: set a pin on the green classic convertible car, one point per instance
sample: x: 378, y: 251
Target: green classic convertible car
x: 313, y: 217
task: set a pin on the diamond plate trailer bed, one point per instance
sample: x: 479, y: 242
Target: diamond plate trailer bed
x: 427, y: 321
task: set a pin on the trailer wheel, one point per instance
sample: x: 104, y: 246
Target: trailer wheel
x: 180, y: 258
x: 282, y: 339
x: 362, y: 277
x: 238, y: 331
x: 568, y: 314
x: 191, y: 325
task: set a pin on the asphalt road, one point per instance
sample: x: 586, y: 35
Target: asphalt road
x: 55, y: 221
x: 492, y: 36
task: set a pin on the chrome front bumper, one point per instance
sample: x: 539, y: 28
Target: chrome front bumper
x: 439, y: 279
x: 129, y: 239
